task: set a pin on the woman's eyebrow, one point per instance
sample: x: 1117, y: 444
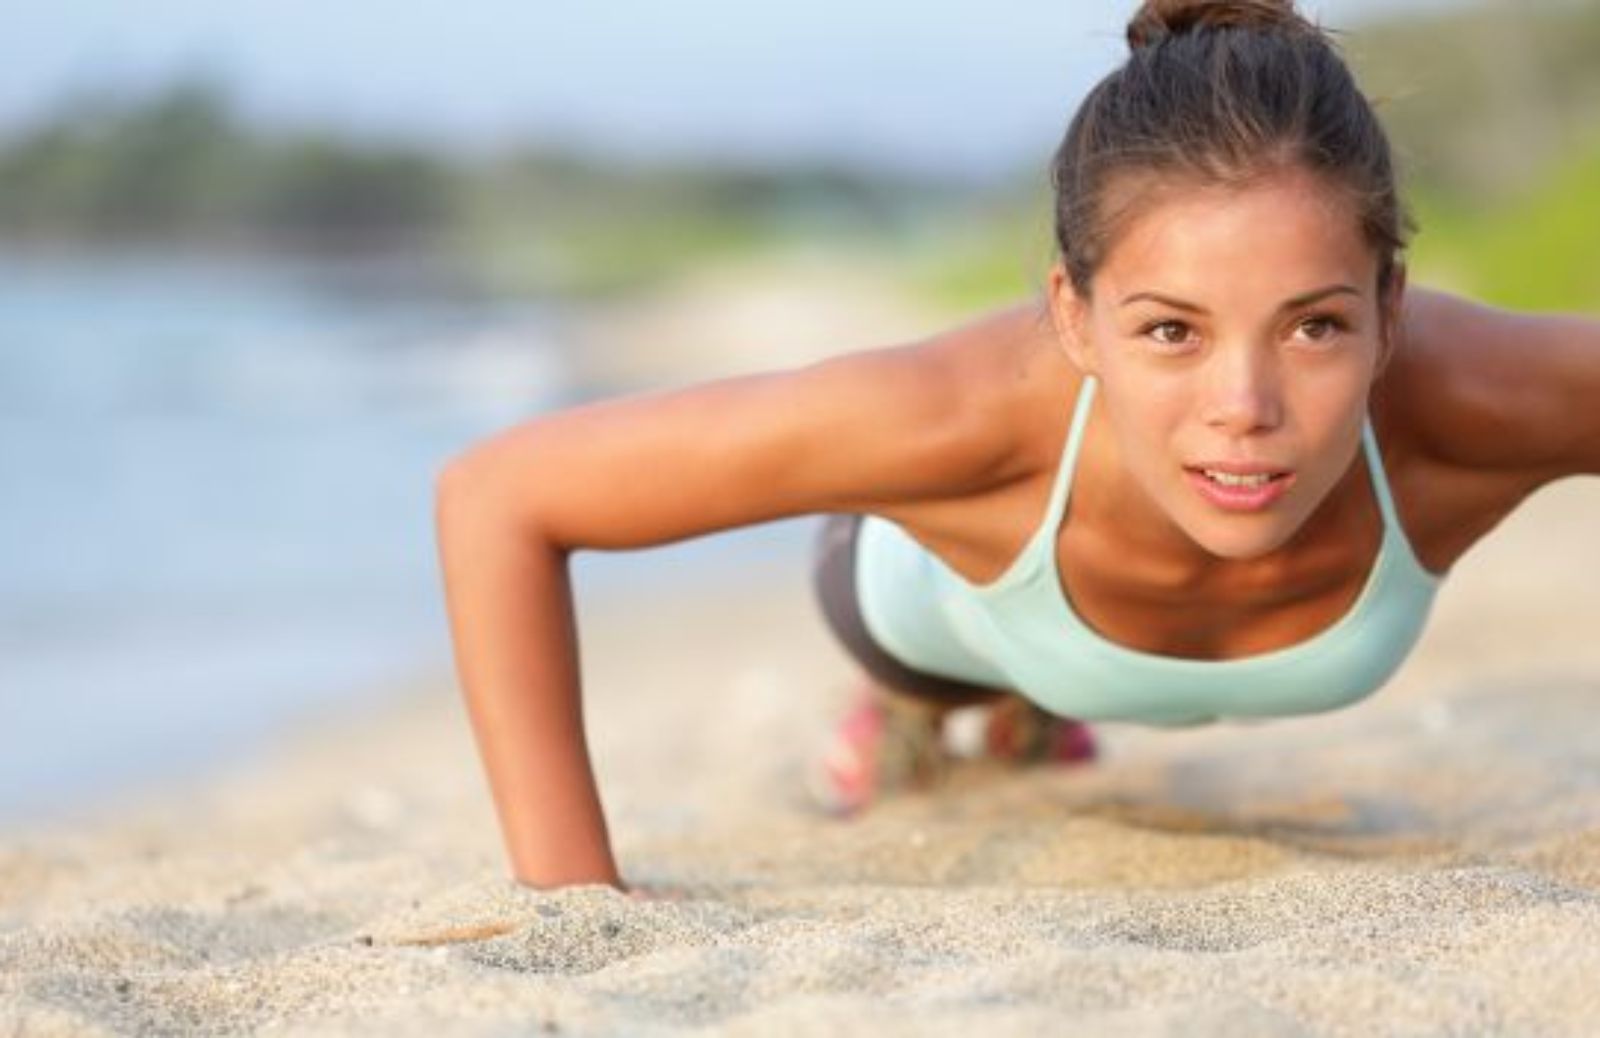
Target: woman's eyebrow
x: 1288, y: 304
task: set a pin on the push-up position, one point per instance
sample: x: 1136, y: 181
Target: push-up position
x: 1216, y: 469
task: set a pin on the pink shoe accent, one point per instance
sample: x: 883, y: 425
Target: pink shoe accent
x: 848, y: 774
x: 1072, y: 741
x: 875, y: 750
x: 1023, y: 733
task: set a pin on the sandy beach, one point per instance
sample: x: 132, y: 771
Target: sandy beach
x: 1426, y: 862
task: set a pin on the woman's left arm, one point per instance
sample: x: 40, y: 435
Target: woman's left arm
x: 1518, y: 392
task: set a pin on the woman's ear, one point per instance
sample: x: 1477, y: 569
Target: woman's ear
x: 1070, y: 314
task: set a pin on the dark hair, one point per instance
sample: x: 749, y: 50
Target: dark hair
x: 1221, y: 92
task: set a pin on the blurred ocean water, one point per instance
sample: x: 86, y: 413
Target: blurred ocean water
x: 216, y: 504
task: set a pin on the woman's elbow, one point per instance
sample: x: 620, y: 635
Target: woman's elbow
x: 465, y: 487
x: 483, y: 490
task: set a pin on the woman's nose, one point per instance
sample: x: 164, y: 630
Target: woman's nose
x: 1243, y: 398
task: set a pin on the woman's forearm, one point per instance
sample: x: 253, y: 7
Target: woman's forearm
x: 514, y: 631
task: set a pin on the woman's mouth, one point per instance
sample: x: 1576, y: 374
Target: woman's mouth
x: 1239, y: 491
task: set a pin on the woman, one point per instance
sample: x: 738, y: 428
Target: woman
x: 1274, y: 453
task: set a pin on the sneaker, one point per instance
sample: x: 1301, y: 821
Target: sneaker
x: 1023, y: 733
x: 885, y: 743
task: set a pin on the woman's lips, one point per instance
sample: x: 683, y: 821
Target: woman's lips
x: 1244, y: 498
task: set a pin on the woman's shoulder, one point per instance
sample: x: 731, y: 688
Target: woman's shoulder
x: 1005, y: 376
x: 1478, y: 408
x: 1006, y: 367
x: 1480, y: 388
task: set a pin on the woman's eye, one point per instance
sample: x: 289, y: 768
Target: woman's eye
x: 1159, y: 326
x: 1327, y: 327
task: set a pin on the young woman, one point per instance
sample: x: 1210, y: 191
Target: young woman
x: 1273, y: 450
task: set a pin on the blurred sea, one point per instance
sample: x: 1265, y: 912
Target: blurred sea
x: 216, y: 504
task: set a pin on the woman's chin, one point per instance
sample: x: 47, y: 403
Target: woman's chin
x: 1243, y: 539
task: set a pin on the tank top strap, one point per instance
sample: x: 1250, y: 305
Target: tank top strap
x: 1393, y: 529
x: 1065, y: 467
x: 1380, y: 479
x: 1040, y: 546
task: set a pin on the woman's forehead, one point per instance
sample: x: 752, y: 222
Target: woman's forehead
x: 1238, y: 243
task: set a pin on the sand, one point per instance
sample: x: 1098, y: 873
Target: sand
x: 1426, y: 862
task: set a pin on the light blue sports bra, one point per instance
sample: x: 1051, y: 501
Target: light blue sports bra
x: 1020, y: 632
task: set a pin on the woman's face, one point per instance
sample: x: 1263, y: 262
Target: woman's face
x: 1233, y: 328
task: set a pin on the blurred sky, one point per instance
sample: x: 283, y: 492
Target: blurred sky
x: 962, y: 87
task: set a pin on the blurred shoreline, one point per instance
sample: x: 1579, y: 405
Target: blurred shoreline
x: 220, y: 480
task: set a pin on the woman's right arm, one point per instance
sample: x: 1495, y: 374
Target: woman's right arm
x: 511, y: 622
x: 859, y: 432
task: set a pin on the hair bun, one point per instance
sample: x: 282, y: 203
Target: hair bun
x: 1159, y: 19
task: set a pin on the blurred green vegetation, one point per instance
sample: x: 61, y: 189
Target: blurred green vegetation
x: 573, y: 224
x: 1537, y: 250
x: 178, y: 168
x: 1495, y: 114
